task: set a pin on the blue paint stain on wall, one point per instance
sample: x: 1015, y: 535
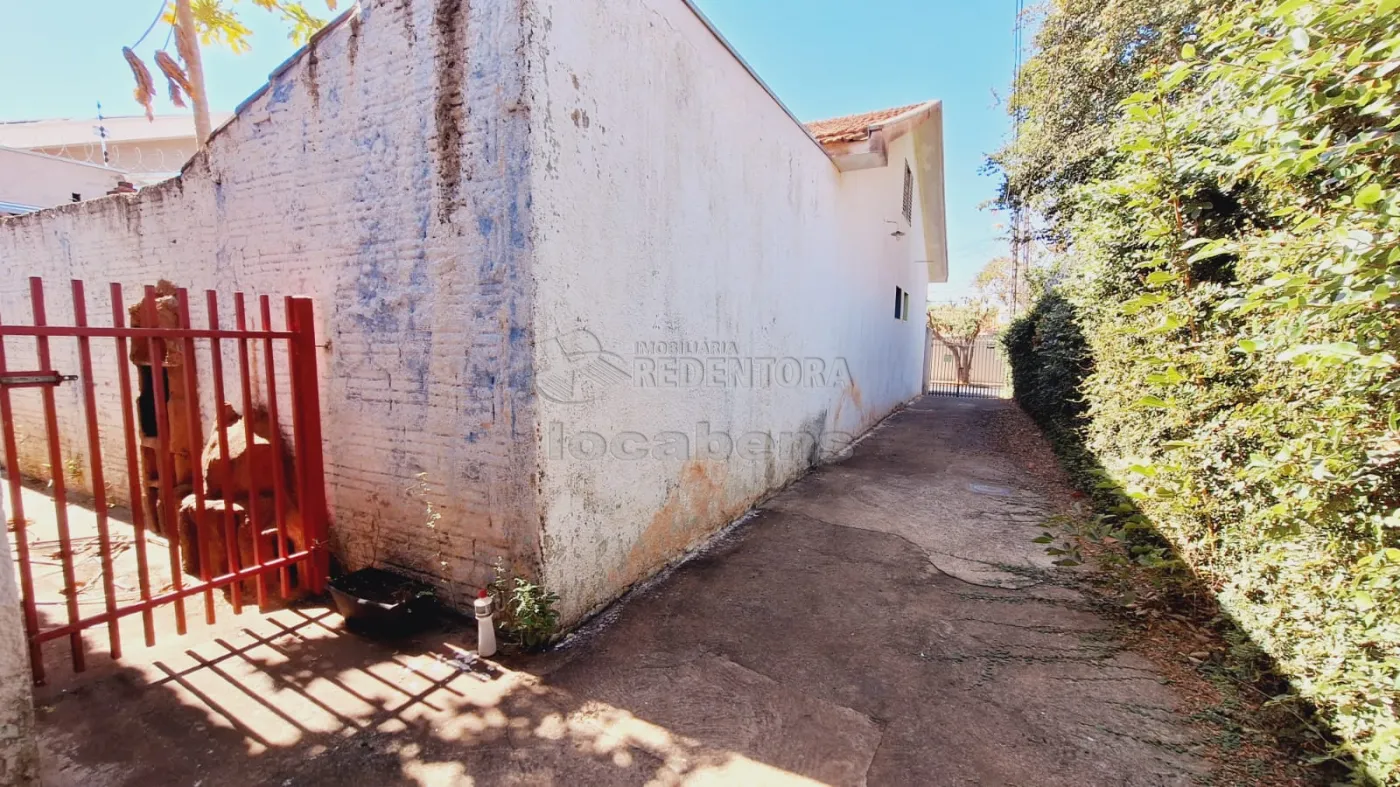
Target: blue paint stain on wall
x: 484, y: 225
x: 373, y: 314
x: 517, y: 232
x: 281, y: 92
x: 371, y: 142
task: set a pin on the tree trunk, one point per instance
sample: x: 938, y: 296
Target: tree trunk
x: 188, y: 44
x: 962, y: 362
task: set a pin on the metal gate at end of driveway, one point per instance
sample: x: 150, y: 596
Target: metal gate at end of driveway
x: 977, y: 369
x: 279, y: 524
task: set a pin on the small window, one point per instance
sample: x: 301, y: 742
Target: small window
x: 899, y: 301
x: 906, y: 306
x: 77, y: 197
x: 908, y: 193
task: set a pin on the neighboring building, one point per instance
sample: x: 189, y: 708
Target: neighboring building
x: 30, y: 181
x: 588, y: 276
x: 149, y: 151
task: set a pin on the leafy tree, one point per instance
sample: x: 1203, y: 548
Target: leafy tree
x: 1011, y: 290
x: 1090, y: 55
x: 219, y: 21
x: 196, y: 22
x: 1234, y: 270
x: 958, y: 326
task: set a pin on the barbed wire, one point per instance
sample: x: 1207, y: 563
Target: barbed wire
x: 124, y: 156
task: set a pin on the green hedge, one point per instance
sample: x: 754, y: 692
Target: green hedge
x: 1049, y: 361
x: 1225, y: 347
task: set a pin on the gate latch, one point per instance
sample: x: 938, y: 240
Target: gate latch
x: 34, y: 379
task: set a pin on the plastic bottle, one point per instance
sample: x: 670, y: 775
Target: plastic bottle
x: 485, y: 627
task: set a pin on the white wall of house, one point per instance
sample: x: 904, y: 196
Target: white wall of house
x: 382, y: 173
x: 684, y: 218
x: 44, y: 181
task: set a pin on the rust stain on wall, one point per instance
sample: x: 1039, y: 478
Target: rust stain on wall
x: 313, y: 87
x: 695, y: 507
x: 851, y: 394
x: 352, y: 44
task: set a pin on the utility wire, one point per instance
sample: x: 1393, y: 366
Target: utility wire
x: 153, y: 24
x: 1019, y: 220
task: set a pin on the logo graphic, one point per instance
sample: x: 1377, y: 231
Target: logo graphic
x: 576, y: 369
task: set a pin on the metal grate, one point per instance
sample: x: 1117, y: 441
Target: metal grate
x: 976, y: 370
x: 145, y: 463
x: 908, y: 193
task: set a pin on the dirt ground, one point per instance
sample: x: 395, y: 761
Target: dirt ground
x: 886, y: 620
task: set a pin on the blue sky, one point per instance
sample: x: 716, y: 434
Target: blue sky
x: 822, y: 57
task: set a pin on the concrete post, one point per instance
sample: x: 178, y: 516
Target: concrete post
x: 19, y: 764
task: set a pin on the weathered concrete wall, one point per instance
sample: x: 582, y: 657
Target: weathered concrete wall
x: 688, y: 226
x: 18, y: 752
x: 383, y: 171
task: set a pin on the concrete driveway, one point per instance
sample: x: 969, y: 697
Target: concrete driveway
x: 886, y: 620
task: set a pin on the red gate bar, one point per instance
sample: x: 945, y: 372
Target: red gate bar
x: 146, y: 467
x: 97, y: 332
x: 174, y: 595
x: 279, y: 492
x: 26, y: 580
x: 99, y: 486
x: 196, y: 443
x: 60, y: 490
x: 169, y: 514
x: 306, y: 415
x: 135, y: 482
x: 241, y: 320
x: 216, y: 369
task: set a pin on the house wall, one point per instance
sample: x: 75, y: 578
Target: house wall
x: 41, y: 181
x: 382, y: 172
x: 18, y: 752
x: 683, y: 220
x: 135, y: 157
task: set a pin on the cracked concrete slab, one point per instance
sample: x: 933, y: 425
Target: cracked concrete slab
x: 969, y: 511
x: 902, y: 585
x: 886, y: 621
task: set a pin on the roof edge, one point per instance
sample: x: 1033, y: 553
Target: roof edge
x: 714, y: 31
x: 907, y: 117
x: 893, y: 128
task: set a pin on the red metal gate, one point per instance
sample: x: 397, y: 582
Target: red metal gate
x: 149, y: 460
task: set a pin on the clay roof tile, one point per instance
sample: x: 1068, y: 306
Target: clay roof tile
x: 854, y: 128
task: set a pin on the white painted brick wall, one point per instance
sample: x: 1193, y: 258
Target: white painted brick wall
x: 383, y: 173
